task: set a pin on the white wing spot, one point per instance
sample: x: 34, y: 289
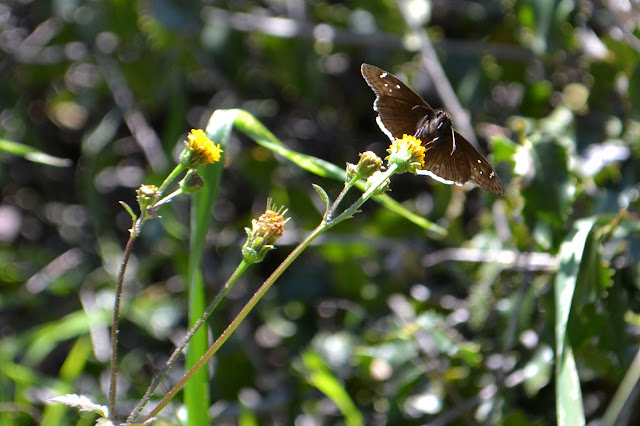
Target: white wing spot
x: 479, y: 161
x: 384, y: 74
x: 397, y: 86
x: 492, y: 175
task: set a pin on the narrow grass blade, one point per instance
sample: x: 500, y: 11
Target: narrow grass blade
x: 320, y: 375
x: 249, y: 125
x: 569, y: 406
x: 32, y: 154
x: 196, y: 393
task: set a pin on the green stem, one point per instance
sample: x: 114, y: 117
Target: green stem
x: 168, y: 198
x: 250, y: 126
x: 345, y: 189
x: 321, y: 228
x: 136, y: 229
x: 242, y: 267
x: 113, y: 368
x: 172, y: 176
x: 239, y: 318
x: 623, y: 394
x: 144, y: 215
x: 366, y: 195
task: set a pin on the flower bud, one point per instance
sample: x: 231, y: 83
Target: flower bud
x: 192, y: 182
x: 369, y: 164
x: 147, y: 195
x: 264, y: 232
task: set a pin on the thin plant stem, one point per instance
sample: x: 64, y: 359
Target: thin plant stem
x: 133, y: 234
x: 325, y: 225
x: 113, y: 368
x: 239, y: 318
x: 168, y: 198
x: 345, y: 189
x: 623, y: 396
x: 149, y: 212
x: 172, y: 176
x: 366, y: 195
x: 244, y: 265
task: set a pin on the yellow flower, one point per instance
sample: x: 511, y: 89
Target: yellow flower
x: 264, y: 232
x: 199, y: 150
x: 407, y: 153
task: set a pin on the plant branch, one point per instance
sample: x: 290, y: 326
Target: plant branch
x: 239, y: 318
x: 113, y: 369
x: 179, y: 168
x: 325, y: 225
x: 183, y: 343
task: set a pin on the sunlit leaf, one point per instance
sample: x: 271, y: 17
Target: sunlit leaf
x: 32, y: 154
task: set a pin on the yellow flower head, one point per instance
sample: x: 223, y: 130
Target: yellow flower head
x: 199, y: 150
x: 264, y: 232
x: 407, y: 153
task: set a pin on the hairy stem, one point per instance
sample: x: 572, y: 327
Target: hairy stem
x: 183, y: 343
x: 113, y: 369
x: 239, y: 318
x: 321, y: 228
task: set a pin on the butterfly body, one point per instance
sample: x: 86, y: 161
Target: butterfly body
x: 449, y: 157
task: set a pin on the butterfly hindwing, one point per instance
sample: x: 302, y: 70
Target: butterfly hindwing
x: 460, y: 165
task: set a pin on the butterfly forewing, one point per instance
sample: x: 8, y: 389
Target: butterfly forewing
x: 395, y: 102
x: 449, y: 157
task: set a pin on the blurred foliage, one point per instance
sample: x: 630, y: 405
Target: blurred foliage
x: 379, y: 322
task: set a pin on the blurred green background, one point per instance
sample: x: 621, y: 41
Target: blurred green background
x: 411, y: 327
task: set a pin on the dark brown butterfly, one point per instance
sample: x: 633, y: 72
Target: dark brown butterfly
x: 448, y: 157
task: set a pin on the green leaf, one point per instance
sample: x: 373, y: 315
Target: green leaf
x: 32, y: 154
x: 569, y: 407
x: 250, y: 126
x: 46, y: 338
x: 196, y: 392
x: 253, y: 128
x: 129, y: 210
x: 323, y: 195
x: 320, y: 375
x: 538, y: 371
x: 550, y: 195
